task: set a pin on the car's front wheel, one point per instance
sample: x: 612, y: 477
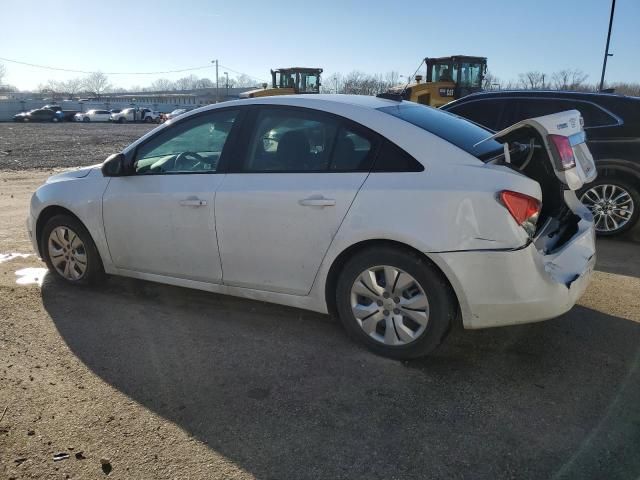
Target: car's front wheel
x: 615, y: 205
x: 69, y: 251
x: 86, y: 119
x: 395, y: 302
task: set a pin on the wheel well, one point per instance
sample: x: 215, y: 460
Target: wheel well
x: 624, y: 173
x: 341, y: 260
x: 44, y: 217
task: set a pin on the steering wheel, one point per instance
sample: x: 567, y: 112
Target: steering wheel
x: 187, y: 161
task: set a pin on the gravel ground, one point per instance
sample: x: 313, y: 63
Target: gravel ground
x: 135, y: 380
x: 51, y: 145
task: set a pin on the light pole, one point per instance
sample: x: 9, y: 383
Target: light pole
x: 606, y: 50
x: 217, y: 83
x: 226, y: 74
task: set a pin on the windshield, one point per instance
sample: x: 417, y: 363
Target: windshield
x: 462, y: 133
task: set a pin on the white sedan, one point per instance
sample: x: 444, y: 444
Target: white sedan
x: 93, y: 116
x: 396, y: 217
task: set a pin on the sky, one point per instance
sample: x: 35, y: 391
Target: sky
x: 252, y: 37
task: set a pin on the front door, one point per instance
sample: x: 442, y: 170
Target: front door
x: 278, y: 212
x: 160, y: 219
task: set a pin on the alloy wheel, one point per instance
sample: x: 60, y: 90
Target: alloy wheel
x: 612, y: 206
x: 389, y: 305
x: 67, y: 253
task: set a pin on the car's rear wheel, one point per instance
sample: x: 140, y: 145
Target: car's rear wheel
x: 69, y: 251
x: 395, y: 302
x: 615, y: 205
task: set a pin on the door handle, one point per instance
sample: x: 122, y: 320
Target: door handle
x: 193, y: 203
x: 317, y: 202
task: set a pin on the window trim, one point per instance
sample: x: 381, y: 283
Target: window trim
x: 223, y: 162
x: 577, y: 100
x: 240, y: 154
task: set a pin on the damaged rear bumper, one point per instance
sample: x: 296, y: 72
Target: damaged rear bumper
x: 497, y: 288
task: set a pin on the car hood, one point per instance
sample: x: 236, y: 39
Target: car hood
x: 74, y: 174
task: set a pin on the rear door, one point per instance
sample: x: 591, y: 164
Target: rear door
x: 279, y: 209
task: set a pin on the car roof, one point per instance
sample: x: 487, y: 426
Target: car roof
x: 591, y: 96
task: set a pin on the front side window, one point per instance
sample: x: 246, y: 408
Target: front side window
x: 289, y: 140
x: 192, y: 146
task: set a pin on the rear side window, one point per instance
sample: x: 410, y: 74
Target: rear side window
x: 484, y: 112
x: 453, y: 129
x: 288, y: 140
x: 392, y: 158
x: 593, y: 115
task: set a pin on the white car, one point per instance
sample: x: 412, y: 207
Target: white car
x: 93, y: 116
x: 135, y: 115
x: 399, y: 218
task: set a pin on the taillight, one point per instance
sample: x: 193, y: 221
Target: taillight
x: 563, y: 150
x: 523, y: 208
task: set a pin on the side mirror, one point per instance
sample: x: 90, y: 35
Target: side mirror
x: 114, y: 166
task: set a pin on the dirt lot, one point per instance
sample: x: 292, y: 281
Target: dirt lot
x: 149, y: 381
x: 50, y: 145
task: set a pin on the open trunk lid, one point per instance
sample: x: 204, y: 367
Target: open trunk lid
x: 551, y: 150
x: 563, y: 137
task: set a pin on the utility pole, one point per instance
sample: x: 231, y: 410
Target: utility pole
x: 226, y: 74
x: 217, y: 83
x: 606, y: 51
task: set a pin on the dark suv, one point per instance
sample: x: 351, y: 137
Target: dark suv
x: 612, y: 123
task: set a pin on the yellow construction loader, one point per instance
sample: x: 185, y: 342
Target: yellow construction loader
x: 288, y: 81
x: 447, y: 78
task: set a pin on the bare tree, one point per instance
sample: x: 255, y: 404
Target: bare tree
x: 186, y: 83
x: 245, y: 81
x: 332, y: 84
x: 162, y: 85
x: 96, y: 83
x: 491, y: 82
x: 569, y: 79
x: 207, y: 83
x: 71, y: 87
x: 532, y: 80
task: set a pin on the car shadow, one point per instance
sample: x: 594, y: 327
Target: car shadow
x: 284, y: 394
x: 618, y: 255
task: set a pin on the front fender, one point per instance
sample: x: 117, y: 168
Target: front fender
x: 83, y: 198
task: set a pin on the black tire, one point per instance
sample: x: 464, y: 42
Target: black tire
x: 25, y: 120
x: 55, y: 119
x: 442, y: 303
x: 94, y: 272
x: 86, y: 119
x: 631, y: 189
x: 148, y: 120
x: 122, y: 120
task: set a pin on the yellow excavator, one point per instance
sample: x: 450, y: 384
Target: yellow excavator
x: 447, y: 78
x: 289, y: 81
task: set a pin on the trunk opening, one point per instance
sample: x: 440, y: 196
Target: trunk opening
x: 557, y: 222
